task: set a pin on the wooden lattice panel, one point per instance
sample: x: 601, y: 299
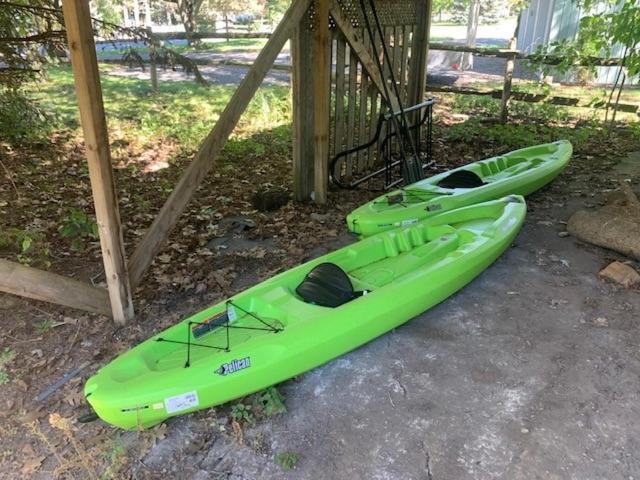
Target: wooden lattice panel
x: 390, y: 13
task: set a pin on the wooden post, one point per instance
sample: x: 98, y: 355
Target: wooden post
x: 321, y: 92
x: 153, y: 57
x: 49, y: 287
x: 302, y: 84
x: 213, y: 144
x: 419, y: 51
x: 153, y: 69
x: 87, y: 81
x: 506, y: 89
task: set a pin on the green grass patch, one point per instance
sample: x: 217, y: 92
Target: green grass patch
x: 182, y: 110
x: 6, y: 357
x: 206, y: 46
x: 286, y: 460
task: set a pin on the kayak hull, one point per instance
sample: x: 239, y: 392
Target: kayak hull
x: 404, y: 272
x: 520, y: 172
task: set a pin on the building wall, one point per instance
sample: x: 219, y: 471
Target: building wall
x: 547, y: 21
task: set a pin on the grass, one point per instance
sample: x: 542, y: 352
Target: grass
x: 6, y: 357
x: 43, y: 326
x: 182, y: 111
x: 207, y: 46
x: 287, y: 460
x: 585, y: 93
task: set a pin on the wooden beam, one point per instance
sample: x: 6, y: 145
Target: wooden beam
x: 419, y: 50
x: 87, y: 82
x: 301, y: 85
x: 49, y: 287
x: 507, y: 53
x: 213, y: 144
x: 357, y: 46
x: 321, y: 93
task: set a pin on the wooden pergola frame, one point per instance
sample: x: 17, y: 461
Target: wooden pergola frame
x: 311, y: 73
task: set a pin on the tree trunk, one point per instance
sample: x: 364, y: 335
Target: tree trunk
x: 226, y: 25
x: 188, y: 11
x: 125, y: 15
x: 472, y: 30
x: 147, y: 13
x: 136, y: 13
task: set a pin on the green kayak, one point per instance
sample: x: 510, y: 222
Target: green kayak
x: 520, y: 172
x: 303, y: 317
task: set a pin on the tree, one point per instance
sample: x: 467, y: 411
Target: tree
x: 188, y: 12
x: 31, y: 34
x: 472, y: 31
x: 440, y: 6
x: 606, y: 24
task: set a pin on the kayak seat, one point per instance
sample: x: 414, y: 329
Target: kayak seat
x: 327, y: 285
x: 461, y: 179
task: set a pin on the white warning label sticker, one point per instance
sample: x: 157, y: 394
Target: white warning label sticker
x: 181, y: 402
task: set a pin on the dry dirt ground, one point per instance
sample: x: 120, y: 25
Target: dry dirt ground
x: 531, y: 371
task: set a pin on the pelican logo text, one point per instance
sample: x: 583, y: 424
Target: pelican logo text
x: 233, y: 366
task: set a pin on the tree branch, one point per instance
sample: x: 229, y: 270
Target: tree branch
x: 38, y: 37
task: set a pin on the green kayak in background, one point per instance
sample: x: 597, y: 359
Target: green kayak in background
x: 520, y: 172
x: 303, y: 317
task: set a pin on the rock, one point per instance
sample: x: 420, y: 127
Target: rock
x: 320, y: 217
x: 563, y: 234
x: 7, y: 302
x: 238, y: 224
x: 621, y: 274
x: 269, y: 200
x: 601, y: 322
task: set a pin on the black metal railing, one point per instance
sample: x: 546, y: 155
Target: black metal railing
x: 392, y: 168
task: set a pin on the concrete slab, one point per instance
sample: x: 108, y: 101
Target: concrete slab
x: 515, y: 377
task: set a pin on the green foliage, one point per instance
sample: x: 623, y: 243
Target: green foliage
x: 78, y: 226
x: 618, y: 23
x: 516, y: 135
x: 43, y: 326
x: 108, y: 11
x: 242, y: 413
x: 28, y: 245
x: 6, y: 357
x: 21, y: 119
x: 33, y: 36
x: 271, y: 401
x: 287, y: 460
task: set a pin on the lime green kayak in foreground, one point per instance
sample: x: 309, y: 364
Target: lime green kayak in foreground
x: 303, y: 317
x: 520, y: 172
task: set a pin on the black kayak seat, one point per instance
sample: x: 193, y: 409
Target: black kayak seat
x: 327, y: 285
x: 461, y: 179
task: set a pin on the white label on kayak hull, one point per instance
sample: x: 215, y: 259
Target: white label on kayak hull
x: 181, y: 402
x: 411, y: 221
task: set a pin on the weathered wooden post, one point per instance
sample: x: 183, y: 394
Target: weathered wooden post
x: 419, y: 51
x: 508, y: 76
x: 321, y: 93
x: 302, y: 84
x: 77, y: 17
x: 153, y: 64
